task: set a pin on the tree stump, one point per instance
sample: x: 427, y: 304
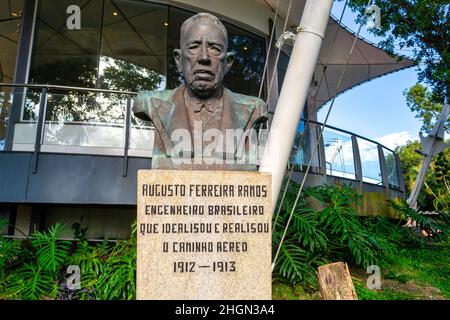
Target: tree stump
x: 336, y: 283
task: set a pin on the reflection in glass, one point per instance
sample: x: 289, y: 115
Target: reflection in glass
x: 297, y: 156
x: 303, y: 148
x: 370, y: 162
x: 62, y: 56
x: 10, y: 18
x: 391, y: 166
x: 245, y: 74
x: 133, y: 47
x: 133, y: 55
x: 121, y: 45
x: 339, y: 154
x: 5, y: 103
x: 84, y: 119
x: 283, y: 62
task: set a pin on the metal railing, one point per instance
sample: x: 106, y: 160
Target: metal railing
x: 353, y: 164
x: 321, y: 161
x: 43, y: 101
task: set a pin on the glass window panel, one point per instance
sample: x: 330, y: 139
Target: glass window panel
x: 303, y: 147
x: 5, y: 104
x: 297, y: 157
x: 25, y: 131
x: 339, y: 154
x: 370, y: 162
x: 250, y: 53
x: 283, y: 62
x: 82, y: 119
x: 10, y: 19
x: 134, y: 46
x: 391, y: 166
x: 62, y: 56
x: 134, y: 57
x: 122, y: 45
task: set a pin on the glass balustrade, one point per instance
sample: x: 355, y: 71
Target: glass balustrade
x: 339, y: 154
x: 90, y: 121
x: 392, y: 169
x: 370, y: 162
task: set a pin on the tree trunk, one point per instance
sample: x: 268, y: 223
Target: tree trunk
x: 336, y: 283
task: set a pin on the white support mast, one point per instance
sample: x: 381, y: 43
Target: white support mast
x: 293, y: 94
x: 432, y: 144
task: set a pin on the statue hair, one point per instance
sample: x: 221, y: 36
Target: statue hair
x: 202, y: 17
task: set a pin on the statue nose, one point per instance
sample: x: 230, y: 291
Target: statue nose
x: 204, y: 55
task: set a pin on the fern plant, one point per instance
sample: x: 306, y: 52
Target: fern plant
x: 51, y: 253
x: 31, y: 282
x: 31, y: 267
x: 331, y: 231
x: 118, y: 279
x: 90, y: 259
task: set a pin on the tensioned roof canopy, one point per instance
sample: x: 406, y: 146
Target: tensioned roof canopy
x: 366, y: 62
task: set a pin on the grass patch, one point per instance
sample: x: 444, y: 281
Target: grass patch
x: 407, y: 274
x: 428, y: 266
x: 286, y: 291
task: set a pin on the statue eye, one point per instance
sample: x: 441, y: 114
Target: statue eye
x: 193, y: 46
x: 215, y: 50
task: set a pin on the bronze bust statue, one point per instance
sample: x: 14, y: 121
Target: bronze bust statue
x: 201, y: 107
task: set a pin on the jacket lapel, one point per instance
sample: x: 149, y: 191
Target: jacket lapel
x: 172, y: 115
x: 236, y: 115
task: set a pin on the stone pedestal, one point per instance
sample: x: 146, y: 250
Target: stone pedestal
x: 204, y: 235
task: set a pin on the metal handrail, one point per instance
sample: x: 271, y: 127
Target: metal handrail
x: 45, y: 91
x: 51, y: 86
x: 379, y: 146
x: 349, y: 133
x: 42, y: 111
x: 58, y: 87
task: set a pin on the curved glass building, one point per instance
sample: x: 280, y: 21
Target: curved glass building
x: 70, y: 146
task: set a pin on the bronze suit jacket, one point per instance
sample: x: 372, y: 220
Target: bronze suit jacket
x: 167, y: 111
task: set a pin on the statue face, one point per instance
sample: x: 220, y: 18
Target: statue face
x: 202, y: 59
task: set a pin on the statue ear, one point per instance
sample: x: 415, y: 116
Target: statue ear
x: 177, y: 56
x: 230, y: 60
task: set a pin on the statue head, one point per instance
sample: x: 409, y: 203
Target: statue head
x: 202, y: 59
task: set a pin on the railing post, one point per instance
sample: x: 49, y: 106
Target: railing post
x: 357, y: 159
x: 357, y: 163
x: 40, y: 127
x: 127, y: 137
x: 383, y: 168
x: 401, y: 179
x: 321, y: 156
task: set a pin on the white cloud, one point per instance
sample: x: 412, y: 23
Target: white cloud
x: 395, y: 139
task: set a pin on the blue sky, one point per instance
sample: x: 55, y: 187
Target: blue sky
x: 376, y: 109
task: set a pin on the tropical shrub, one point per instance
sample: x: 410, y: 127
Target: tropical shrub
x: 318, y: 236
x: 30, y: 268
x: 35, y: 267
